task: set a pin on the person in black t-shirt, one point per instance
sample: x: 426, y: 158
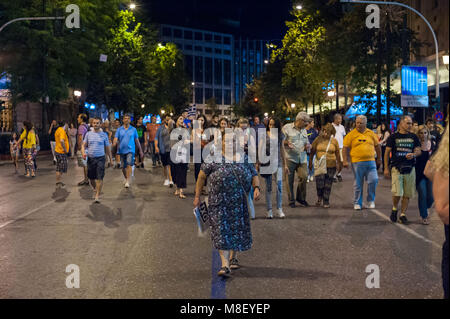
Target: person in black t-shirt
x: 141, y: 129
x: 405, y: 147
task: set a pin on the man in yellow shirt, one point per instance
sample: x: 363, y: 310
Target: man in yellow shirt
x: 362, y: 144
x: 61, y: 150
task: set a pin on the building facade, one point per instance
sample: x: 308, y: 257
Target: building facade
x: 208, y: 61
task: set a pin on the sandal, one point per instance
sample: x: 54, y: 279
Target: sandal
x: 176, y: 193
x: 224, y: 271
x: 234, y: 263
x: 182, y: 195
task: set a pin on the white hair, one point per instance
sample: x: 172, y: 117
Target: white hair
x: 303, y: 116
x: 362, y: 117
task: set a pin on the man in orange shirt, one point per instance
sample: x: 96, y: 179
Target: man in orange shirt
x: 150, y: 135
x: 362, y: 144
x: 61, y: 150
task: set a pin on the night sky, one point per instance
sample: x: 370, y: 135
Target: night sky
x: 264, y: 19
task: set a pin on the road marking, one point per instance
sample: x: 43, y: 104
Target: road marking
x: 407, y: 229
x: 26, y: 214
x: 218, y: 284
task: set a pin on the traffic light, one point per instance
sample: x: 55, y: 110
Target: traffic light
x: 256, y: 100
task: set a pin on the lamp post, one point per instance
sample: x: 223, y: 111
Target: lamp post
x: 293, y: 107
x: 193, y: 94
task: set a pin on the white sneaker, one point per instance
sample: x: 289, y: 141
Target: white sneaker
x: 356, y: 207
x: 166, y: 182
x: 269, y: 214
x: 280, y: 213
x: 127, y: 185
x: 371, y: 205
x: 311, y: 178
x: 308, y: 179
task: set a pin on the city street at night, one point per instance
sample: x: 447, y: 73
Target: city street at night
x: 142, y: 242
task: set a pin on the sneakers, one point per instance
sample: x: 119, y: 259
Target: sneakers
x: 166, y: 182
x: 394, y: 216
x: 83, y: 183
x: 339, y: 177
x: 371, y: 205
x: 311, y: 178
x: 335, y: 180
x: 280, y: 213
x: 357, y: 207
x: 170, y: 184
x: 127, y: 185
x: 292, y: 205
x: 303, y: 203
x: 269, y: 216
x: 403, y: 220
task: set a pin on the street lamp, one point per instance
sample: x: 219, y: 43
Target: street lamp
x: 330, y: 93
x: 77, y: 93
x: 266, y: 114
x: 142, y: 106
x: 132, y: 6
x: 162, y: 111
x: 298, y: 7
x: 171, y: 114
x: 266, y: 61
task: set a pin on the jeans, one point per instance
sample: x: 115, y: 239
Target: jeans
x: 445, y: 269
x: 364, y: 171
x: 155, y: 157
x: 53, y: 146
x: 268, y: 179
x: 426, y: 200
x: 302, y: 171
x: 310, y: 171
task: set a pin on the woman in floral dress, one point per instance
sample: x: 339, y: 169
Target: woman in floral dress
x: 229, y: 182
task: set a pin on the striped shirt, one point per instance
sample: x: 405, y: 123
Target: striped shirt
x: 96, y: 143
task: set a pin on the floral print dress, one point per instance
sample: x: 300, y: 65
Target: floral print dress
x: 227, y: 204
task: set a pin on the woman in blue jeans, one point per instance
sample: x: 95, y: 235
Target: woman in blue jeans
x: 423, y: 184
x: 276, y: 125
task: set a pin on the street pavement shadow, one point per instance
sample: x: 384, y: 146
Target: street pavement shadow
x: 86, y: 192
x: 280, y: 273
x: 361, y: 227
x: 131, y: 214
x: 105, y: 214
x: 60, y: 195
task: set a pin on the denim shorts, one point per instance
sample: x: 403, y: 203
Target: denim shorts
x: 127, y: 159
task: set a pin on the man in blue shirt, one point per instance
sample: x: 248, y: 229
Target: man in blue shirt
x: 128, y: 138
x: 95, y: 142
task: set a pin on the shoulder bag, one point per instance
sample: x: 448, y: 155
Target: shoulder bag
x: 320, y: 165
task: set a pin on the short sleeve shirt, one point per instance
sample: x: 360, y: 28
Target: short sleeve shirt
x: 96, y: 143
x: 299, y: 138
x: 362, y: 145
x: 61, y: 134
x: 401, y: 145
x: 29, y: 141
x: 82, y: 129
x: 126, y: 139
x: 340, y: 133
x: 320, y: 145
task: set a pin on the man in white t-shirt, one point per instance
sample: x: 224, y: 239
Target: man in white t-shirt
x: 340, y: 133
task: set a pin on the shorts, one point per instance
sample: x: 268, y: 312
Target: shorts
x: 81, y: 161
x: 165, y: 159
x: 61, y: 163
x: 127, y: 159
x: 96, y: 167
x: 403, y: 185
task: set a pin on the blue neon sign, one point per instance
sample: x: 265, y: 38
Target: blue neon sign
x: 414, y: 80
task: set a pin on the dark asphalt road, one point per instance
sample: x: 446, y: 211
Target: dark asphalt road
x: 143, y: 243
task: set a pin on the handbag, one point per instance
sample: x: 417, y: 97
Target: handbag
x: 202, y: 217
x: 320, y: 165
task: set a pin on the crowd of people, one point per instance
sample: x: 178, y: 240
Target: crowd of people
x: 405, y: 156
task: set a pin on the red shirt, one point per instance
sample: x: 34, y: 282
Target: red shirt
x: 151, y: 131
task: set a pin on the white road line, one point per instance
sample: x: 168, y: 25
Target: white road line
x: 26, y: 214
x: 407, y: 229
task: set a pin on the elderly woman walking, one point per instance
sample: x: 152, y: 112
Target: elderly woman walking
x: 327, y: 160
x: 229, y: 183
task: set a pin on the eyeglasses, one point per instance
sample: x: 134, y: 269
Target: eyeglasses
x: 362, y: 140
